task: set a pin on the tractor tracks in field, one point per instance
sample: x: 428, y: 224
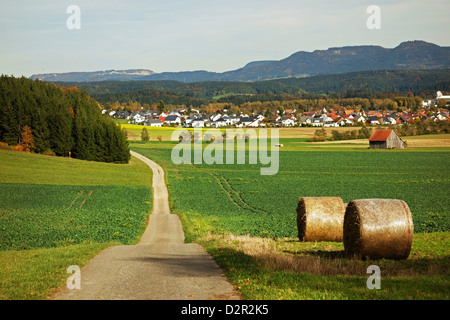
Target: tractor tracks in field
x: 78, y: 196
x: 234, y: 196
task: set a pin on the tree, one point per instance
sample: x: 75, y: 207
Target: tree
x: 144, y: 135
x: 161, y: 107
x: 43, y: 117
x: 26, y: 139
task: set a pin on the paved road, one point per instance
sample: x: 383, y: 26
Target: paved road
x: 160, y: 267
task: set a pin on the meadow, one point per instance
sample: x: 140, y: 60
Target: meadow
x: 241, y: 201
x: 247, y: 221
x: 56, y: 212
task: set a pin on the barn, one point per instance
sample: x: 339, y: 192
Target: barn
x: 386, y: 139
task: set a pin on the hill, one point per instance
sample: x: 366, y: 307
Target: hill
x: 367, y: 84
x: 418, y: 55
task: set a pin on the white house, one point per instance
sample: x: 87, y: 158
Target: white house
x: 172, y: 119
x: 287, y: 122
x: 255, y: 123
x: 154, y: 122
x: 388, y: 120
x: 345, y: 121
x: 138, y: 118
x: 317, y: 121
x: 220, y: 122
x: 245, y: 121
x: 231, y: 121
x: 358, y: 119
x: 305, y: 120
x: 188, y: 121
x: 215, y: 117
x: 198, y: 123
x: 329, y: 122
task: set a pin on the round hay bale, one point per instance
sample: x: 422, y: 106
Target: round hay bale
x: 320, y: 218
x: 378, y: 228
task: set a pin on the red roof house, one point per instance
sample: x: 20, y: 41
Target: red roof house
x: 386, y: 139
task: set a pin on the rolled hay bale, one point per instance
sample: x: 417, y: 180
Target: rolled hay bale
x: 320, y: 218
x: 378, y: 228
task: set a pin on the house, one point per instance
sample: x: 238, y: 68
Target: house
x: 231, y: 121
x: 388, y: 120
x: 440, y: 96
x: 386, y: 139
x: 154, y: 122
x: 138, y: 118
x: 287, y: 122
x: 245, y: 121
x: 317, y: 121
x: 305, y: 120
x: 172, y: 119
x: 188, y: 121
x: 329, y: 121
x: 359, y: 119
x: 345, y: 121
x: 257, y: 122
x: 198, y: 123
x: 219, y: 122
x: 373, y: 120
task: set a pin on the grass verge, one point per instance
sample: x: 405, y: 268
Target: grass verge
x: 37, y: 274
x: 286, y: 269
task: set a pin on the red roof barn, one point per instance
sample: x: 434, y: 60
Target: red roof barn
x: 386, y: 139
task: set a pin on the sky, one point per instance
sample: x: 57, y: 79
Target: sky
x: 212, y: 35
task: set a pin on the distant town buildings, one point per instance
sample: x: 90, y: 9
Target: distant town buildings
x: 289, y: 118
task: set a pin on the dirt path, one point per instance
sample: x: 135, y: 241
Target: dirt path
x: 160, y: 267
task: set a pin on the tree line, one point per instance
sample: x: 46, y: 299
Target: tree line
x: 50, y: 119
x: 368, y: 85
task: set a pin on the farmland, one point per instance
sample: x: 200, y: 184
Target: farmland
x: 56, y: 212
x: 241, y: 201
x: 247, y: 221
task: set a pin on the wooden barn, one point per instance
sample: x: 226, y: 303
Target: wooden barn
x: 386, y: 139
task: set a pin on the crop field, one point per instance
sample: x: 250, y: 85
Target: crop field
x: 69, y: 214
x: 237, y: 199
x: 247, y: 221
x: 56, y: 212
x: 40, y: 210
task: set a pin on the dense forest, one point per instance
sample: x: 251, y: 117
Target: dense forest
x: 45, y: 118
x: 367, y: 85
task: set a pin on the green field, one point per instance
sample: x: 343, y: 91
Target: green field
x: 247, y: 221
x: 57, y: 212
x: 237, y: 199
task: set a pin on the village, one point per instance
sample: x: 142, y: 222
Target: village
x: 342, y: 117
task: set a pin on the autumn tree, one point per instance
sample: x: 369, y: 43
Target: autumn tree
x: 26, y: 140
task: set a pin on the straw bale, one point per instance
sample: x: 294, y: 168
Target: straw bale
x: 378, y: 228
x: 320, y: 218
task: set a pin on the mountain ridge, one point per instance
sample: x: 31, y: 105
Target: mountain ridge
x: 415, y: 54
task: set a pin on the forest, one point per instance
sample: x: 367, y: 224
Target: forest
x: 44, y: 118
x: 366, y: 85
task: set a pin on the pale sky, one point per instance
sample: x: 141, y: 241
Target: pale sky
x: 212, y: 35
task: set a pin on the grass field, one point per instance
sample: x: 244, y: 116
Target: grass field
x: 248, y: 221
x: 57, y: 212
x: 239, y: 200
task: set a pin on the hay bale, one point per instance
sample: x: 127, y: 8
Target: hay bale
x: 320, y: 218
x: 378, y: 228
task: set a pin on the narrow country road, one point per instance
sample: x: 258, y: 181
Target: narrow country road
x: 160, y: 267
